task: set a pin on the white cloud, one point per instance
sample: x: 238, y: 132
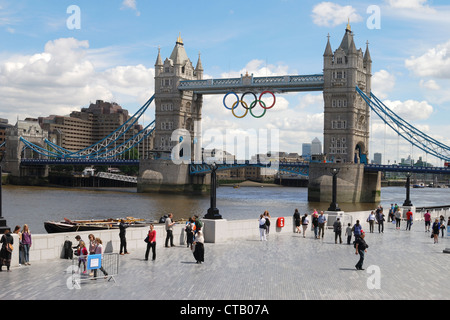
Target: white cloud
x: 131, y: 4
x: 407, y: 4
x: 410, y: 110
x: 62, y: 79
x: 434, y: 63
x: 329, y: 14
x: 382, y: 83
x: 430, y: 84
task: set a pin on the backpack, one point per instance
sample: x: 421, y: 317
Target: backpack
x: 199, y: 223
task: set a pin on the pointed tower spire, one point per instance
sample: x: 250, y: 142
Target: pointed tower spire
x: 349, y: 28
x: 199, y: 66
x: 328, y: 52
x: 158, y: 59
x: 367, y: 53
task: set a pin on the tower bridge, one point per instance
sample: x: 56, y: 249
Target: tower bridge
x: 178, y: 99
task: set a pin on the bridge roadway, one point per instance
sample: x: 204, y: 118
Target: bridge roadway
x: 286, y: 267
x: 202, y: 168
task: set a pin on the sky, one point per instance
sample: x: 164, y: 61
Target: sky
x: 59, y: 56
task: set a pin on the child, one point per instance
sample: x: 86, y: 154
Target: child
x: 82, y: 256
x: 348, y: 233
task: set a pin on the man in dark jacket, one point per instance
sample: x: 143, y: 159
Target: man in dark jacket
x: 361, y: 247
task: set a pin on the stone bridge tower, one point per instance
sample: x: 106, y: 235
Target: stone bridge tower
x: 16, y: 150
x: 346, y: 115
x: 175, y: 109
x: 346, y: 127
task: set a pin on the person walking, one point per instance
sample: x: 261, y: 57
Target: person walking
x: 371, y: 221
x: 337, y: 228
x: 7, y: 242
x: 315, y: 224
x: 322, y: 222
x: 99, y: 250
x: 189, y: 229
x: 26, y: 242
x: 19, y: 234
x: 199, y: 249
x: 151, y: 243
x: 169, y: 231
x: 398, y: 218
x: 305, y: 223
x: 348, y: 233
x: 409, y: 219
x: 122, y: 235
x: 267, y: 217
x: 436, y: 227
x: 361, y: 248
x: 297, y: 221
x: 262, y: 228
x: 380, y: 221
x: 83, y: 256
x: 427, y: 218
x: 442, y: 222
x: 92, y: 243
x: 357, y: 228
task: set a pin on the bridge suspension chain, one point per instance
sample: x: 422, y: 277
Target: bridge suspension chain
x: 407, y: 131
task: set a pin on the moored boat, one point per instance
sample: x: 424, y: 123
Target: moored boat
x: 68, y: 225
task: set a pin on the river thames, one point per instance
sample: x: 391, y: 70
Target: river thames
x: 35, y: 205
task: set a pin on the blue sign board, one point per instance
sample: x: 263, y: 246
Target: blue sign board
x: 94, y: 261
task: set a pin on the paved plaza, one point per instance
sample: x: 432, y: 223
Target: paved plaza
x: 399, y: 265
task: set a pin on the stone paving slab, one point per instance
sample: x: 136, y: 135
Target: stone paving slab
x: 400, y: 265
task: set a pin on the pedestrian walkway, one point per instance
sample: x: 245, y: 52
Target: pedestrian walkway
x: 399, y: 265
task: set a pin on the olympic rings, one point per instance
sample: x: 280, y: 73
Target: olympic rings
x: 252, y: 105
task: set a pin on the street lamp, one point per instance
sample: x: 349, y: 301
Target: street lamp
x: 213, y: 212
x: 407, y: 202
x: 334, y: 206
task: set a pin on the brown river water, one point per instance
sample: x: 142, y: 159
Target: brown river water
x: 35, y: 205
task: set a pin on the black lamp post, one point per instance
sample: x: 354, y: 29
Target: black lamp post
x: 334, y: 206
x: 3, y: 226
x: 407, y: 202
x: 213, y: 212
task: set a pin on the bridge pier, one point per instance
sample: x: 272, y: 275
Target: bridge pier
x: 353, y: 183
x: 166, y: 177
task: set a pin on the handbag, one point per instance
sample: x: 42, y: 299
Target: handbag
x: 146, y: 239
x: 9, y: 247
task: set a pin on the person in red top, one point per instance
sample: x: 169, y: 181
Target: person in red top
x: 427, y: 217
x: 151, y: 243
x: 409, y: 219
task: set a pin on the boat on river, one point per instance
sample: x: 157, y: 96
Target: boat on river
x: 68, y: 225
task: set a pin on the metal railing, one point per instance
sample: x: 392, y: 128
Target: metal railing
x: 94, y: 267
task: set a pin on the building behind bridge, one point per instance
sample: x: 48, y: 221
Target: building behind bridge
x: 81, y: 129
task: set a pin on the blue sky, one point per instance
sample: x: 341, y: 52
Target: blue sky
x: 47, y: 68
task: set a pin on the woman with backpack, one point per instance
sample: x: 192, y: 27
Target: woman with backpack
x: 7, y: 242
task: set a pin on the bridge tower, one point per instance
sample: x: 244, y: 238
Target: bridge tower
x: 346, y: 127
x: 174, y: 109
x: 346, y: 115
x: 15, y: 151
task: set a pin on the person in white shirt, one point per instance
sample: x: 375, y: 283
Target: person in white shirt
x: 262, y: 228
x: 371, y: 221
x: 305, y: 222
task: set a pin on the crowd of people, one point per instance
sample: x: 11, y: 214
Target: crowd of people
x: 7, y: 248
x: 377, y: 216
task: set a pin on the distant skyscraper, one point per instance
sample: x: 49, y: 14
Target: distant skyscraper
x: 306, y: 151
x: 377, y: 158
x: 316, y: 146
